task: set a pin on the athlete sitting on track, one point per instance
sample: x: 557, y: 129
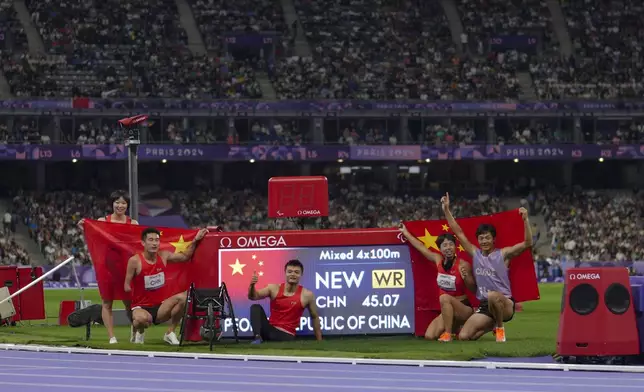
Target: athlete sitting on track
x: 120, y: 202
x: 288, y: 301
x: 491, y: 272
x: 454, y: 278
x: 145, y: 276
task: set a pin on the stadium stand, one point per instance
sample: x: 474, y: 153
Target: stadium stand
x: 389, y: 49
x: 52, y: 217
x: 216, y: 17
x: 591, y: 226
x: 11, y: 31
x: 122, y: 49
x: 608, y: 55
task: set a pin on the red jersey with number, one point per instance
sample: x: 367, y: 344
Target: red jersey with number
x: 148, y: 285
x: 128, y: 220
x: 286, y: 311
x: 450, y: 281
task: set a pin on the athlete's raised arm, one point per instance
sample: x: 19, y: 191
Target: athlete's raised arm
x: 186, y: 255
x: 467, y: 245
x: 513, y: 251
x: 415, y: 242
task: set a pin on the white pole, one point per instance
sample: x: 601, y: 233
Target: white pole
x: 80, y: 287
x: 61, y: 265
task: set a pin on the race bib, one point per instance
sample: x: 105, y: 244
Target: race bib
x: 446, y: 282
x: 153, y: 282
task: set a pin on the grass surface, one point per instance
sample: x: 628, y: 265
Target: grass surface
x: 531, y: 333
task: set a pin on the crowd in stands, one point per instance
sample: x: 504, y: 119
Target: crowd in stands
x: 11, y: 253
x: 215, y: 18
x: 384, y: 49
x: 52, y: 218
x: 293, y: 132
x: 592, y: 226
x: 387, y: 50
x: 11, y: 30
x: 122, y: 49
x: 609, y: 60
x: 583, y: 225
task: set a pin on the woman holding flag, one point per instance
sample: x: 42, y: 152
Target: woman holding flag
x: 120, y: 203
x: 454, y: 279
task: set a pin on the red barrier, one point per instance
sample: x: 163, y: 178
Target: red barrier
x: 30, y: 304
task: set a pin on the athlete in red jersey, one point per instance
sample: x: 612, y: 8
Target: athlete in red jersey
x: 288, y: 301
x: 454, y: 279
x: 120, y: 202
x: 145, y: 279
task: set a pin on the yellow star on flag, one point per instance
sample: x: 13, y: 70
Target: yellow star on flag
x: 445, y: 227
x: 160, y: 233
x: 261, y: 263
x: 261, y: 273
x: 429, y: 240
x: 181, y: 245
x: 237, y: 267
x: 460, y: 248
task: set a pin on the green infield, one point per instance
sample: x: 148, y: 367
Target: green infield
x: 532, y: 333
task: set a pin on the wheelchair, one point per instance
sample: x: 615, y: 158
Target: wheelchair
x: 206, y: 308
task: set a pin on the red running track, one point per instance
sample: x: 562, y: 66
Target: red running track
x: 55, y: 372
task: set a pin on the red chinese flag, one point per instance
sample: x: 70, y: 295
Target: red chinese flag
x: 112, y: 244
x: 509, y: 231
x: 238, y: 265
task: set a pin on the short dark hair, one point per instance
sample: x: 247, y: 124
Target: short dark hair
x: 114, y: 196
x: 486, y: 228
x: 445, y: 237
x: 149, y: 230
x: 294, y: 263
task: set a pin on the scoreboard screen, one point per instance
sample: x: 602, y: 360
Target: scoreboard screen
x: 359, y: 289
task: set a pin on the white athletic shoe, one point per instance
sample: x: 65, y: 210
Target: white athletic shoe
x: 171, y: 338
x: 113, y: 340
x: 139, y: 338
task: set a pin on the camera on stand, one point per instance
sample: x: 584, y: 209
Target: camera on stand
x: 132, y: 127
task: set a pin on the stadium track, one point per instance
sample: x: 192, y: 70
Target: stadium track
x: 27, y: 370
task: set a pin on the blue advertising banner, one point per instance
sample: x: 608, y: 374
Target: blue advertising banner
x: 317, y: 153
x: 520, y: 42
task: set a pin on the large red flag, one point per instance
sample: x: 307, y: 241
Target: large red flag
x: 509, y: 231
x: 112, y: 244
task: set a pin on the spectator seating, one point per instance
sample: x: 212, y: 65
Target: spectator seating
x: 590, y: 226
x: 383, y: 50
x: 571, y: 218
x: 13, y: 35
x: 608, y: 56
x: 122, y: 49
